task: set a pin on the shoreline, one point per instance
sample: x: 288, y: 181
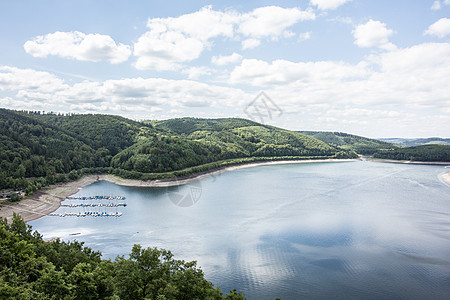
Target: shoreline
x: 48, y: 199
x: 446, y: 177
x: 412, y: 162
x: 213, y: 172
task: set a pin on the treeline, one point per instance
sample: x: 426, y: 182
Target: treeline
x: 31, y: 268
x: 418, y: 153
x: 38, y: 149
x: 359, y: 144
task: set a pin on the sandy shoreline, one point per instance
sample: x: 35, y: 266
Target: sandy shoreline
x: 44, y: 201
x: 446, y: 177
x: 48, y: 199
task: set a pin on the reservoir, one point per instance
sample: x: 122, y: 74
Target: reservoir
x: 315, y: 231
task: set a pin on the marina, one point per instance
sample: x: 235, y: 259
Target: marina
x: 94, y: 205
x: 88, y: 213
x: 91, y: 209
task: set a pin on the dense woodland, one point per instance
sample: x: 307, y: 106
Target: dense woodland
x: 418, y: 153
x: 359, y: 144
x: 38, y: 149
x: 31, y: 268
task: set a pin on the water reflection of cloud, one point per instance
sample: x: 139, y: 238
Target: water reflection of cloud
x: 66, y: 233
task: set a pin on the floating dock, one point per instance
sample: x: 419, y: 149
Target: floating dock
x: 97, y: 198
x: 94, y: 205
x: 91, y: 209
x: 88, y: 213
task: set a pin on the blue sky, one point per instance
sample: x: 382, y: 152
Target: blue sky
x: 372, y: 68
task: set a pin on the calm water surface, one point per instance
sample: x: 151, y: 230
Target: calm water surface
x: 314, y: 231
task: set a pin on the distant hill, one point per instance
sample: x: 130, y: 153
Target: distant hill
x: 49, y: 148
x: 418, y: 153
x: 359, y: 144
x: 416, y: 142
x: 188, y: 142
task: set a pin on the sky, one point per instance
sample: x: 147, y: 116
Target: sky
x: 372, y: 68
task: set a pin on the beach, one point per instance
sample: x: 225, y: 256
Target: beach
x: 446, y: 177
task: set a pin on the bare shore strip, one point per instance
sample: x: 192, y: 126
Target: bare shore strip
x: 48, y: 199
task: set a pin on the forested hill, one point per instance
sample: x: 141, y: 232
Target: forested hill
x: 418, y: 153
x: 188, y: 142
x: 359, y: 144
x: 38, y: 149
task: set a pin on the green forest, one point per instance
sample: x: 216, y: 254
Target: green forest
x: 433, y: 152
x: 39, y: 149
x: 31, y: 268
x: 359, y: 144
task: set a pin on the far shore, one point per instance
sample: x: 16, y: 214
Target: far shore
x: 413, y: 162
x: 48, y: 199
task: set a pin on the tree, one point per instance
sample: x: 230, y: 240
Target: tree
x: 83, y: 283
x: 14, y: 197
x: 152, y: 273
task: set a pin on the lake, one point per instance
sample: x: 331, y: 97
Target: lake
x: 315, y: 231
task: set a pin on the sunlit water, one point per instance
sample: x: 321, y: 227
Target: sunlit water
x: 312, y: 231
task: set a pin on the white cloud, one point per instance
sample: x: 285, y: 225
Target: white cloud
x: 415, y: 76
x: 250, y: 44
x: 201, y: 25
x: 271, y: 21
x: 130, y: 96
x: 436, y: 5
x: 440, y: 28
x: 227, y: 59
x: 373, y: 34
x: 12, y: 78
x: 195, y: 73
x: 304, y: 36
x: 261, y: 73
x: 170, y: 42
x: 328, y: 4
x: 78, y: 45
x: 164, y: 50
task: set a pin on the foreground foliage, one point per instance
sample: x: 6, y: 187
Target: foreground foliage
x: 33, y: 269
